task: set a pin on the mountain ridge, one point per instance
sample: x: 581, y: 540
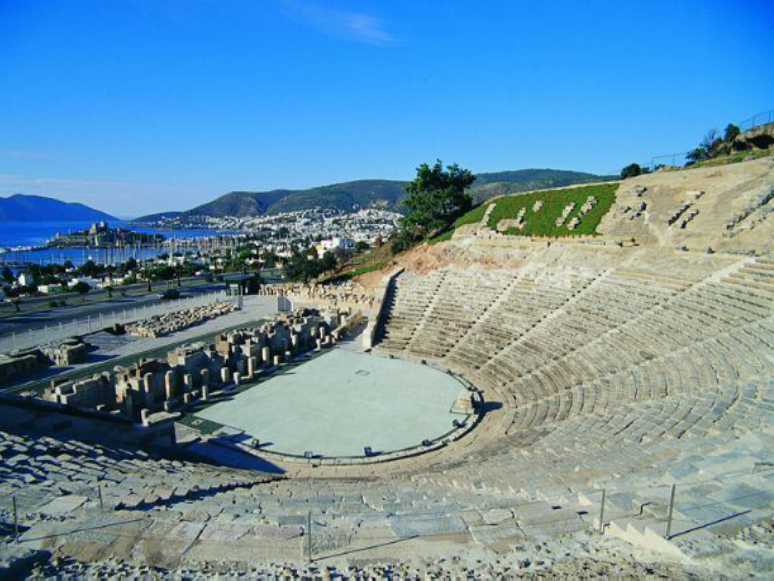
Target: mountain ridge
x: 33, y: 208
x: 385, y: 194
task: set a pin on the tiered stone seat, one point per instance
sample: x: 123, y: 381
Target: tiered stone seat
x: 610, y: 378
x: 462, y: 300
x: 411, y: 300
x: 523, y: 304
x: 37, y: 469
x: 599, y: 379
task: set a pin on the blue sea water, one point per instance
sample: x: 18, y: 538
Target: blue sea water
x: 15, y: 234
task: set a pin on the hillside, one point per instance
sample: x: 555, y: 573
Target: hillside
x: 708, y: 209
x: 492, y: 184
x: 23, y: 208
x: 363, y: 193
x: 239, y: 204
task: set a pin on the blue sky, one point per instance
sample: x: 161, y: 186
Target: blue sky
x: 135, y: 106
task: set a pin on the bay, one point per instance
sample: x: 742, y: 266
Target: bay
x: 30, y: 234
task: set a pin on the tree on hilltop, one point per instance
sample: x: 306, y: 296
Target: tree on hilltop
x: 731, y: 133
x: 436, y: 197
x: 706, y: 149
x: 630, y: 171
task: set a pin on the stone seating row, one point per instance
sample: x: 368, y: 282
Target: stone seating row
x: 678, y: 353
x: 644, y: 335
x: 615, y: 353
x: 411, y: 298
x: 37, y: 469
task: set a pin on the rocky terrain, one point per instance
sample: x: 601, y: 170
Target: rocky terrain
x: 628, y: 430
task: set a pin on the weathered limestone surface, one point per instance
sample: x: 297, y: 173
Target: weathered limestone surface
x: 160, y: 325
x: 605, y: 367
x: 162, y: 385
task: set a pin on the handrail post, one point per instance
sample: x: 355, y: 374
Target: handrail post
x: 671, y: 509
x: 602, y: 514
x: 309, y: 535
x: 15, y: 520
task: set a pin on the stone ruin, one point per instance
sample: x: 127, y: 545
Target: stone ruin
x: 566, y: 211
x: 590, y: 202
x: 632, y: 212
x: 517, y: 223
x: 193, y: 371
x: 26, y: 361
x: 348, y: 294
x: 160, y: 325
x: 685, y: 212
x: 757, y: 211
x: 68, y: 352
x: 20, y: 363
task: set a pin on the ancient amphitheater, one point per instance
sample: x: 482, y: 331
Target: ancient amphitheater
x: 627, y: 426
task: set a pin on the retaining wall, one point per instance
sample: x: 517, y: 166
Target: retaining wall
x: 377, y: 313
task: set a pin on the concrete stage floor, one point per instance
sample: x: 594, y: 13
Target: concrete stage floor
x: 340, y: 402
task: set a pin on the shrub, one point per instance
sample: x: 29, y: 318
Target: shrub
x: 401, y: 242
x: 436, y: 197
x: 732, y: 131
x: 630, y: 171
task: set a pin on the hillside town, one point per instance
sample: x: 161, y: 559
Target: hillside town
x: 363, y: 224
x: 255, y: 243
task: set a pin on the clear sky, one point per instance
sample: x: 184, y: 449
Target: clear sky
x: 135, y: 106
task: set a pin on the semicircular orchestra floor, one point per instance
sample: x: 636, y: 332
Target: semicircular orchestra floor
x: 338, y: 403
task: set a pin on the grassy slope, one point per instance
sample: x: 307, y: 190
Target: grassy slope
x: 472, y: 217
x: 542, y: 223
x: 735, y: 157
x: 373, y: 259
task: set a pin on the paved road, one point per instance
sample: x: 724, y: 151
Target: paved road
x: 37, y: 319
x: 139, y: 288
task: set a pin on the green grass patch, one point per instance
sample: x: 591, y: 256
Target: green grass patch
x: 543, y: 222
x: 349, y: 275
x: 474, y: 216
x: 442, y: 237
x: 369, y: 268
x: 735, y: 157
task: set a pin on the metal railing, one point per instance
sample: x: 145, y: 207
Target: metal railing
x: 669, y: 159
x: 660, y: 500
x: 757, y: 120
x: 680, y: 159
x: 91, y: 324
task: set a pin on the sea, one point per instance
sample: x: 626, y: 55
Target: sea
x: 16, y: 239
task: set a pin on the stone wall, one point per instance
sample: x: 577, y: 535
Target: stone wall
x: 20, y: 363
x: 377, y: 312
x: 192, y: 372
x: 160, y: 325
x: 348, y: 294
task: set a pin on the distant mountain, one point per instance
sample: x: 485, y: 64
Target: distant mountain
x: 371, y: 193
x: 492, y: 184
x: 346, y: 196
x: 156, y: 217
x: 23, y: 208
